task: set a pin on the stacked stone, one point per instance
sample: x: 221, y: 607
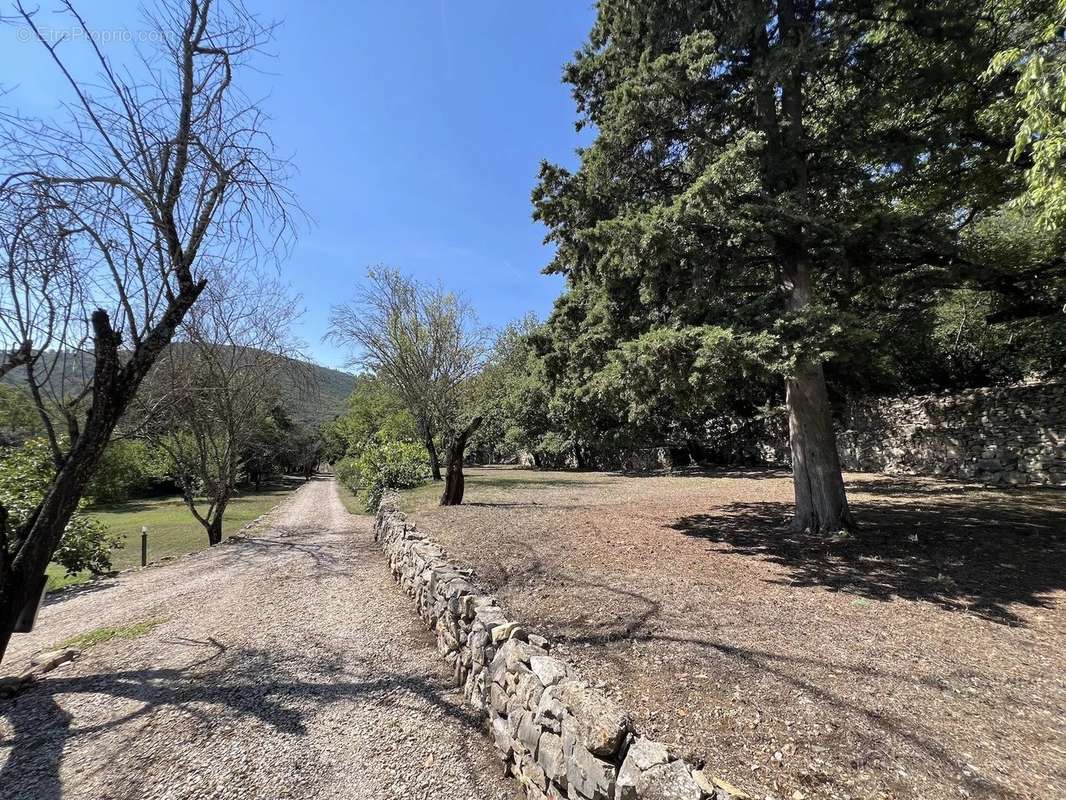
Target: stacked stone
x: 1007, y: 435
x: 556, y: 735
x: 1012, y: 435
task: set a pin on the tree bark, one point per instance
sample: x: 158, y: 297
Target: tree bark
x: 455, y: 484
x: 821, y: 501
x: 214, y: 530
x: 431, y: 449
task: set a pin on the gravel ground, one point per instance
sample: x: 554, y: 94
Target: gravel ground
x: 286, y: 665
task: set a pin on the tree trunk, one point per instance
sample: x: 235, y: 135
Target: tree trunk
x: 455, y: 484
x: 25, y: 556
x: 214, y: 530
x: 821, y: 502
x: 431, y: 449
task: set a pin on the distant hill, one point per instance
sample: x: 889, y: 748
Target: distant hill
x: 321, y: 398
x: 311, y: 393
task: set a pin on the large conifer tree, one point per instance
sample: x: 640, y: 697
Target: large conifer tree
x: 759, y: 164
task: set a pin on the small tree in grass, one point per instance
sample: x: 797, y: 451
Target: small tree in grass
x: 205, y: 403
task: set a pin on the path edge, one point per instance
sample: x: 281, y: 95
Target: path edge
x: 555, y: 734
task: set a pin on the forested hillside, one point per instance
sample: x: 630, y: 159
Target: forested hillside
x: 311, y: 394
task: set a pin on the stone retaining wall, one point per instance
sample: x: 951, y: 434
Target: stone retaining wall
x: 556, y: 735
x: 1009, y: 435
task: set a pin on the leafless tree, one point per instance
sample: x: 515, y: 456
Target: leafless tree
x: 112, y: 215
x: 427, y: 344
x: 210, y: 392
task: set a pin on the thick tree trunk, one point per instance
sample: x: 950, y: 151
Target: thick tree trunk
x: 821, y: 502
x: 214, y: 530
x: 455, y: 483
x: 579, y: 457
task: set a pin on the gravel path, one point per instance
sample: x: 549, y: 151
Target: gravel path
x: 285, y: 665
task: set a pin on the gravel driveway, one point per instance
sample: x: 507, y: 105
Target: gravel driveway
x: 285, y: 665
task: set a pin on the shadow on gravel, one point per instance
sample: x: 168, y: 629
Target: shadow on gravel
x: 225, y: 684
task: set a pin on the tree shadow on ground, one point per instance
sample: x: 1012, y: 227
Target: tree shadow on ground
x: 226, y: 683
x: 695, y: 471
x: 979, y: 554
x: 807, y: 673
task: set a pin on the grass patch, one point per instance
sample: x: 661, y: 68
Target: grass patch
x: 427, y: 496
x: 351, y: 501
x: 172, y: 530
x: 100, y: 635
x: 59, y: 579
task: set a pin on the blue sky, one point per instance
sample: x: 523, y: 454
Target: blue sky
x: 417, y: 128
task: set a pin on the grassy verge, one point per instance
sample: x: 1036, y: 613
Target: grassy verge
x: 172, y: 530
x: 101, y: 635
x: 351, y: 501
x: 424, y: 496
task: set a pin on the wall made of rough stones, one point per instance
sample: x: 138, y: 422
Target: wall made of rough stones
x: 1010, y: 435
x: 556, y: 735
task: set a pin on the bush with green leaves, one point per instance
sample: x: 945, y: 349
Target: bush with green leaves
x: 26, y: 473
x: 128, y: 469
x: 387, y: 464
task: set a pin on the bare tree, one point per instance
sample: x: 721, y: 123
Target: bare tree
x: 427, y: 344
x: 110, y: 218
x: 209, y: 395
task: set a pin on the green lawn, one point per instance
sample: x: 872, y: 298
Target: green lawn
x: 172, y: 530
x: 424, y: 496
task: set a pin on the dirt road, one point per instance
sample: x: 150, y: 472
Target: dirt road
x: 285, y: 665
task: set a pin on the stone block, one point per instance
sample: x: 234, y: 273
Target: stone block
x: 549, y: 671
x: 671, y: 781
x: 551, y: 759
x: 602, y: 723
x: 500, y: 736
x: 591, y: 777
x: 529, y: 731
x: 642, y: 755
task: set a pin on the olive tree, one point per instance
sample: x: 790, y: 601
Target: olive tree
x: 427, y: 344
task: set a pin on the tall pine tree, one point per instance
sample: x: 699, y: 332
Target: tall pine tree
x: 758, y: 165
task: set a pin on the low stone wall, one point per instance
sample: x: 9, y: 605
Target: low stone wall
x: 555, y: 734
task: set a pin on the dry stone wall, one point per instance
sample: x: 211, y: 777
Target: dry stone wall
x: 1010, y: 435
x: 556, y: 735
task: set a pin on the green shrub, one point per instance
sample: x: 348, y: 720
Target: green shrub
x: 387, y: 465
x: 347, y: 471
x: 26, y: 472
x: 128, y: 469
